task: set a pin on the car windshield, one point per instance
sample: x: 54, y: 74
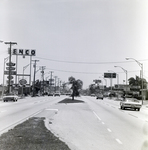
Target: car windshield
x: 132, y: 100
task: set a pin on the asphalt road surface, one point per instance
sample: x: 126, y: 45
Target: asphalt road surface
x: 92, y: 125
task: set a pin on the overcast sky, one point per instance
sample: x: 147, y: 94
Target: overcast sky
x: 79, y: 38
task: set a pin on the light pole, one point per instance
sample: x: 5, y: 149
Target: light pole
x: 5, y: 60
x: 126, y: 74
x: 141, y: 66
x: 104, y: 80
x: 23, y: 77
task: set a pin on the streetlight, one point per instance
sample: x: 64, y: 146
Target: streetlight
x: 23, y: 77
x: 5, y: 60
x: 141, y: 65
x: 126, y: 74
x: 104, y: 80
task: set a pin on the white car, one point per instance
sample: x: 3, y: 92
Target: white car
x: 10, y: 97
x: 130, y: 103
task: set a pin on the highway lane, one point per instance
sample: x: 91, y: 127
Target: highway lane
x: 130, y: 128
x: 13, y: 113
x: 92, y: 125
x: 97, y: 124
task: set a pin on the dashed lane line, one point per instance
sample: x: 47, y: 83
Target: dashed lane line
x: 109, y: 130
x: 118, y: 141
x: 97, y: 115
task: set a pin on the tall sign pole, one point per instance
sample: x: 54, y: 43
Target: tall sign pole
x: 9, y: 51
x: 34, y: 77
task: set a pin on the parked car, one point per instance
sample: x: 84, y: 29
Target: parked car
x: 10, y: 97
x: 56, y: 94
x: 99, y: 96
x: 131, y: 103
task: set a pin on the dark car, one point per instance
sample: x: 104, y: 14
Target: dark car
x: 99, y: 96
x: 50, y: 94
x: 56, y: 94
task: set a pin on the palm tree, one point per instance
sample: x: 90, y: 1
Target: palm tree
x: 137, y: 82
x: 76, y: 86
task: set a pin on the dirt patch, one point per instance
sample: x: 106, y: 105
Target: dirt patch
x: 69, y: 100
x: 31, y: 135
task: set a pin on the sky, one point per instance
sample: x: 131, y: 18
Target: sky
x: 79, y: 38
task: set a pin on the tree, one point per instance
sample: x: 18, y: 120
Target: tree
x: 76, y: 86
x: 137, y: 82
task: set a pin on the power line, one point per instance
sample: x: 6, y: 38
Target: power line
x: 87, y: 62
x: 84, y: 72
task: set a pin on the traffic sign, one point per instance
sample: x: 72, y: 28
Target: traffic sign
x: 10, y: 64
x: 11, y: 68
x: 11, y: 72
x: 10, y: 77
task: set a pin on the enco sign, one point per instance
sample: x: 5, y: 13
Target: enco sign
x: 26, y: 52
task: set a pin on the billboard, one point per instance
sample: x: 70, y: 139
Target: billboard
x: 109, y: 75
x: 25, y: 52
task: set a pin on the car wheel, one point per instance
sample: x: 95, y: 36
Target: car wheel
x: 122, y: 108
x: 138, y: 109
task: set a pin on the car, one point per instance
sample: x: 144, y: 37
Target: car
x: 93, y: 95
x: 50, y: 94
x: 131, y: 103
x: 99, y: 96
x: 56, y: 94
x: 10, y: 97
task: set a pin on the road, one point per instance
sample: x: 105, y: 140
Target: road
x: 92, y: 125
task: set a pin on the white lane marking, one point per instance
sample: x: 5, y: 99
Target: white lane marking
x: 2, y: 111
x: 97, y: 115
x: 103, y: 123
x: 118, y: 141
x: 52, y: 109
x: 109, y: 130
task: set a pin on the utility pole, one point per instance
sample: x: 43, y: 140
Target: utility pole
x: 42, y: 79
x: 34, y: 76
x: 9, y: 52
x: 50, y: 81
x: 55, y: 83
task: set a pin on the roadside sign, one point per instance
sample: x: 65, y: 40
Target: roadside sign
x: 51, y: 80
x: 11, y: 72
x: 11, y: 81
x: 10, y: 77
x: 109, y: 75
x: 10, y: 64
x: 22, y: 81
x: 11, y: 68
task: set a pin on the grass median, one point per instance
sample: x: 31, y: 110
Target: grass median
x: 31, y: 135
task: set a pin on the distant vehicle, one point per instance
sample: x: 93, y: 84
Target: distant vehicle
x: 10, y: 97
x: 131, y: 103
x: 93, y: 95
x: 50, y: 94
x: 99, y: 96
x: 68, y: 94
x: 56, y: 94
